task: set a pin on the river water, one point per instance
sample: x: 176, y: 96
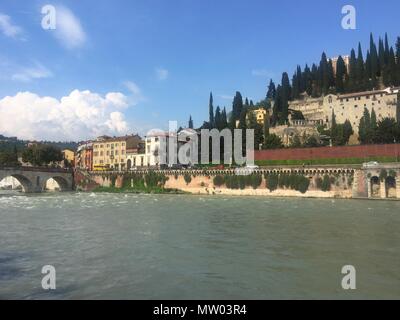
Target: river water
x: 117, y: 246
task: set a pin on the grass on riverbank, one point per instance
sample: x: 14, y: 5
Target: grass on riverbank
x: 337, y: 161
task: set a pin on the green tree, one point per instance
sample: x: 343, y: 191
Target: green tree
x: 387, y: 131
x: 374, y: 61
x: 190, y: 123
x: 211, y: 111
x: 40, y: 155
x: 340, y: 75
x: 272, y: 141
x: 271, y: 93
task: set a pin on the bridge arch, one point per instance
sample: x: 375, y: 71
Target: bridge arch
x: 25, y: 183
x: 62, y: 183
x: 390, y: 187
x: 375, y: 186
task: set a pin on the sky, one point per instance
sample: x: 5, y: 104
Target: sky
x: 128, y: 66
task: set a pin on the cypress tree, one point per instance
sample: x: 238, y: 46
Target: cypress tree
x: 295, y: 87
x: 324, y: 74
x: 361, y: 85
x: 374, y: 61
x: 307, y: 78
x: 381, y: 57
x: 286, y: 92
x: 368, y: 72
x: 398, y: 109
x: 224, y: 118
x: 398, y: 60
x: 237, y: 107
x: 316, y: 88
x: 352, y: 81
x: 211, y: 111
x: 190, y: 123
x: 340, y: 75
x: 218, y: 119
x: 373, y: 122
x: 271, y: 93
x: 277, y: 108
x: 387, y: 49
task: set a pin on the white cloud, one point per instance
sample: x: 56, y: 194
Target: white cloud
x: 80, y: 115
x: 8, y: 28
x: 162, y: 74
x: 225, y: 97
x: 69, y: 30
x: 27, y: 74
x: 262, y: 73
x: 136, y: 94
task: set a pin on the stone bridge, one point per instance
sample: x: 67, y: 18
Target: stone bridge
x: 34, y: 179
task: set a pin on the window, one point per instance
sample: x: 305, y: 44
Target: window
x: 355, y: 106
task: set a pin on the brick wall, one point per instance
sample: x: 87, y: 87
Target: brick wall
x: 383, y: 150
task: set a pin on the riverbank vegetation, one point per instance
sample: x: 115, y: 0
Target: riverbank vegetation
x: 150, y: 182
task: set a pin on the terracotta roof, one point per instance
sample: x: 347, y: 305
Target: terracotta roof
x: 363, y: 93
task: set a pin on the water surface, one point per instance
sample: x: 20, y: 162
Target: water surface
x: 116, y: 246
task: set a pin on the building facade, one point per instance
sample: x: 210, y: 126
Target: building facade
x: 84, y: 156
x: 348, y: 106
x: 110, y: 153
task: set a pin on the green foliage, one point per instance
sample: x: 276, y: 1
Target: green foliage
x: 383, y: 175
x: 392, y: 173
x: 326, y: 183
x: 218, y: 180
x: 153, y: 179
x: 272, y: 141
x: 291, y: 181
x: 187, y: 177
x: 272, y: 181
x: 9, y: 158
x: 39, y: 155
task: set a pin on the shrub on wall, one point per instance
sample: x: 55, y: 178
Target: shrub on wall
x: 383, y: 175
x: 188, y: 178
x: 272, y: 181
x: 218, y: 181
x: 326, y: 183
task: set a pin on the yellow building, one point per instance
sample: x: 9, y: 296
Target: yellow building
x: 69, y: 155
x: 110, y: 152
x: 261, y: 115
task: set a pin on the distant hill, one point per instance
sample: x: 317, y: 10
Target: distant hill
x: 8, y: 143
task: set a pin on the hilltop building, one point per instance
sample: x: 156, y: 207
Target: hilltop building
x: 348, y: 106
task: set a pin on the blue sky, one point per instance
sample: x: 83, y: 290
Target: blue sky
x: 163, y: 56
